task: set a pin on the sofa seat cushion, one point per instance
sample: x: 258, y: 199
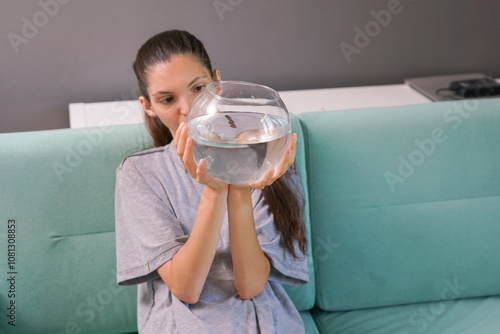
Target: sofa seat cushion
x: 466, y: 316
x: 309, y: 323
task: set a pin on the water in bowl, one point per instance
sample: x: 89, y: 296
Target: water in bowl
x: 239, y: 147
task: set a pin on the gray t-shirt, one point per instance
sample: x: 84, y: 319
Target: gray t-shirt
x: 156, y: 202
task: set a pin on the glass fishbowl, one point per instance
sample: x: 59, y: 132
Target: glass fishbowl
x: 241, y: 129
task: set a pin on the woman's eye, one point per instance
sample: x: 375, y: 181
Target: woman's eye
x: 199, y: 89
x: 167, y: 99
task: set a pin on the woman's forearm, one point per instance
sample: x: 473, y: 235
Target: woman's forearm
x: 251, y: 266
x: 185, y: 274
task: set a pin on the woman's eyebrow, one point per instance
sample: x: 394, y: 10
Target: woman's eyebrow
x: 196, y: 79
x: 189, y: 84
x: 161, y: 93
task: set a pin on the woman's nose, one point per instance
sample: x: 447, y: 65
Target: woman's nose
x: 185, y: 105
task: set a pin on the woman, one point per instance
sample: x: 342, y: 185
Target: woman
x: 208, y: 257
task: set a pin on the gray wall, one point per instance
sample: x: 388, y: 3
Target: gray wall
x: 82, y: 50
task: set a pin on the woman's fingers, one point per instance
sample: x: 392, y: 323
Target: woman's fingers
x: 275, y: 173
x: 177, y: 134
x: 268, y: 178
x: 201, y: 171
x: 288, y: 157
x: 185, y: 146
x: 181, y: 136
x: 203, y: 177
x: 264, y: 181
x: 188, y: 158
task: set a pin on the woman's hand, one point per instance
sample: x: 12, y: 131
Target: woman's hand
x: 184, y: 146
x: 275, y: 173
x: 186, y: 273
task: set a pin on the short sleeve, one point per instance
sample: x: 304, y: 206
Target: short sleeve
x: 285, y: 268
x: 148, y: 233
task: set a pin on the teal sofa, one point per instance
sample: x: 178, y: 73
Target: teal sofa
x: 402, y: 213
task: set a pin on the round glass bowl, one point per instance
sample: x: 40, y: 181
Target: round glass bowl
x: 241, y: 129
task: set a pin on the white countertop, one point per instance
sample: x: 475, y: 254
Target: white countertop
x: 296, y: 101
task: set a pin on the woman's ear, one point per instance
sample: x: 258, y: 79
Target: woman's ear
x: 216, y: 75
x: 147, y: 106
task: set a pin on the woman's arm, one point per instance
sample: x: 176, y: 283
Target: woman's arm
x: 251, y: 266
x: 185, y: 274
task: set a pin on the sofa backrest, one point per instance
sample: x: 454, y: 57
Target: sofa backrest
x: 303, y: 296
x: 57, y: 193
x: 406, y: 203
x: 57, y: 199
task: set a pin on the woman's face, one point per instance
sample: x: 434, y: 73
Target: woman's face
x: 172, y: 88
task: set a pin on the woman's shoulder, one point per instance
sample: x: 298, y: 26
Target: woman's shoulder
x: 145, y: 155
x: 151, y: 162
x: 142, y: 158
x: 148, y: 160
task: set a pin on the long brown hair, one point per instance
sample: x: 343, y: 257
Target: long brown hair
x: 282, y: 201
